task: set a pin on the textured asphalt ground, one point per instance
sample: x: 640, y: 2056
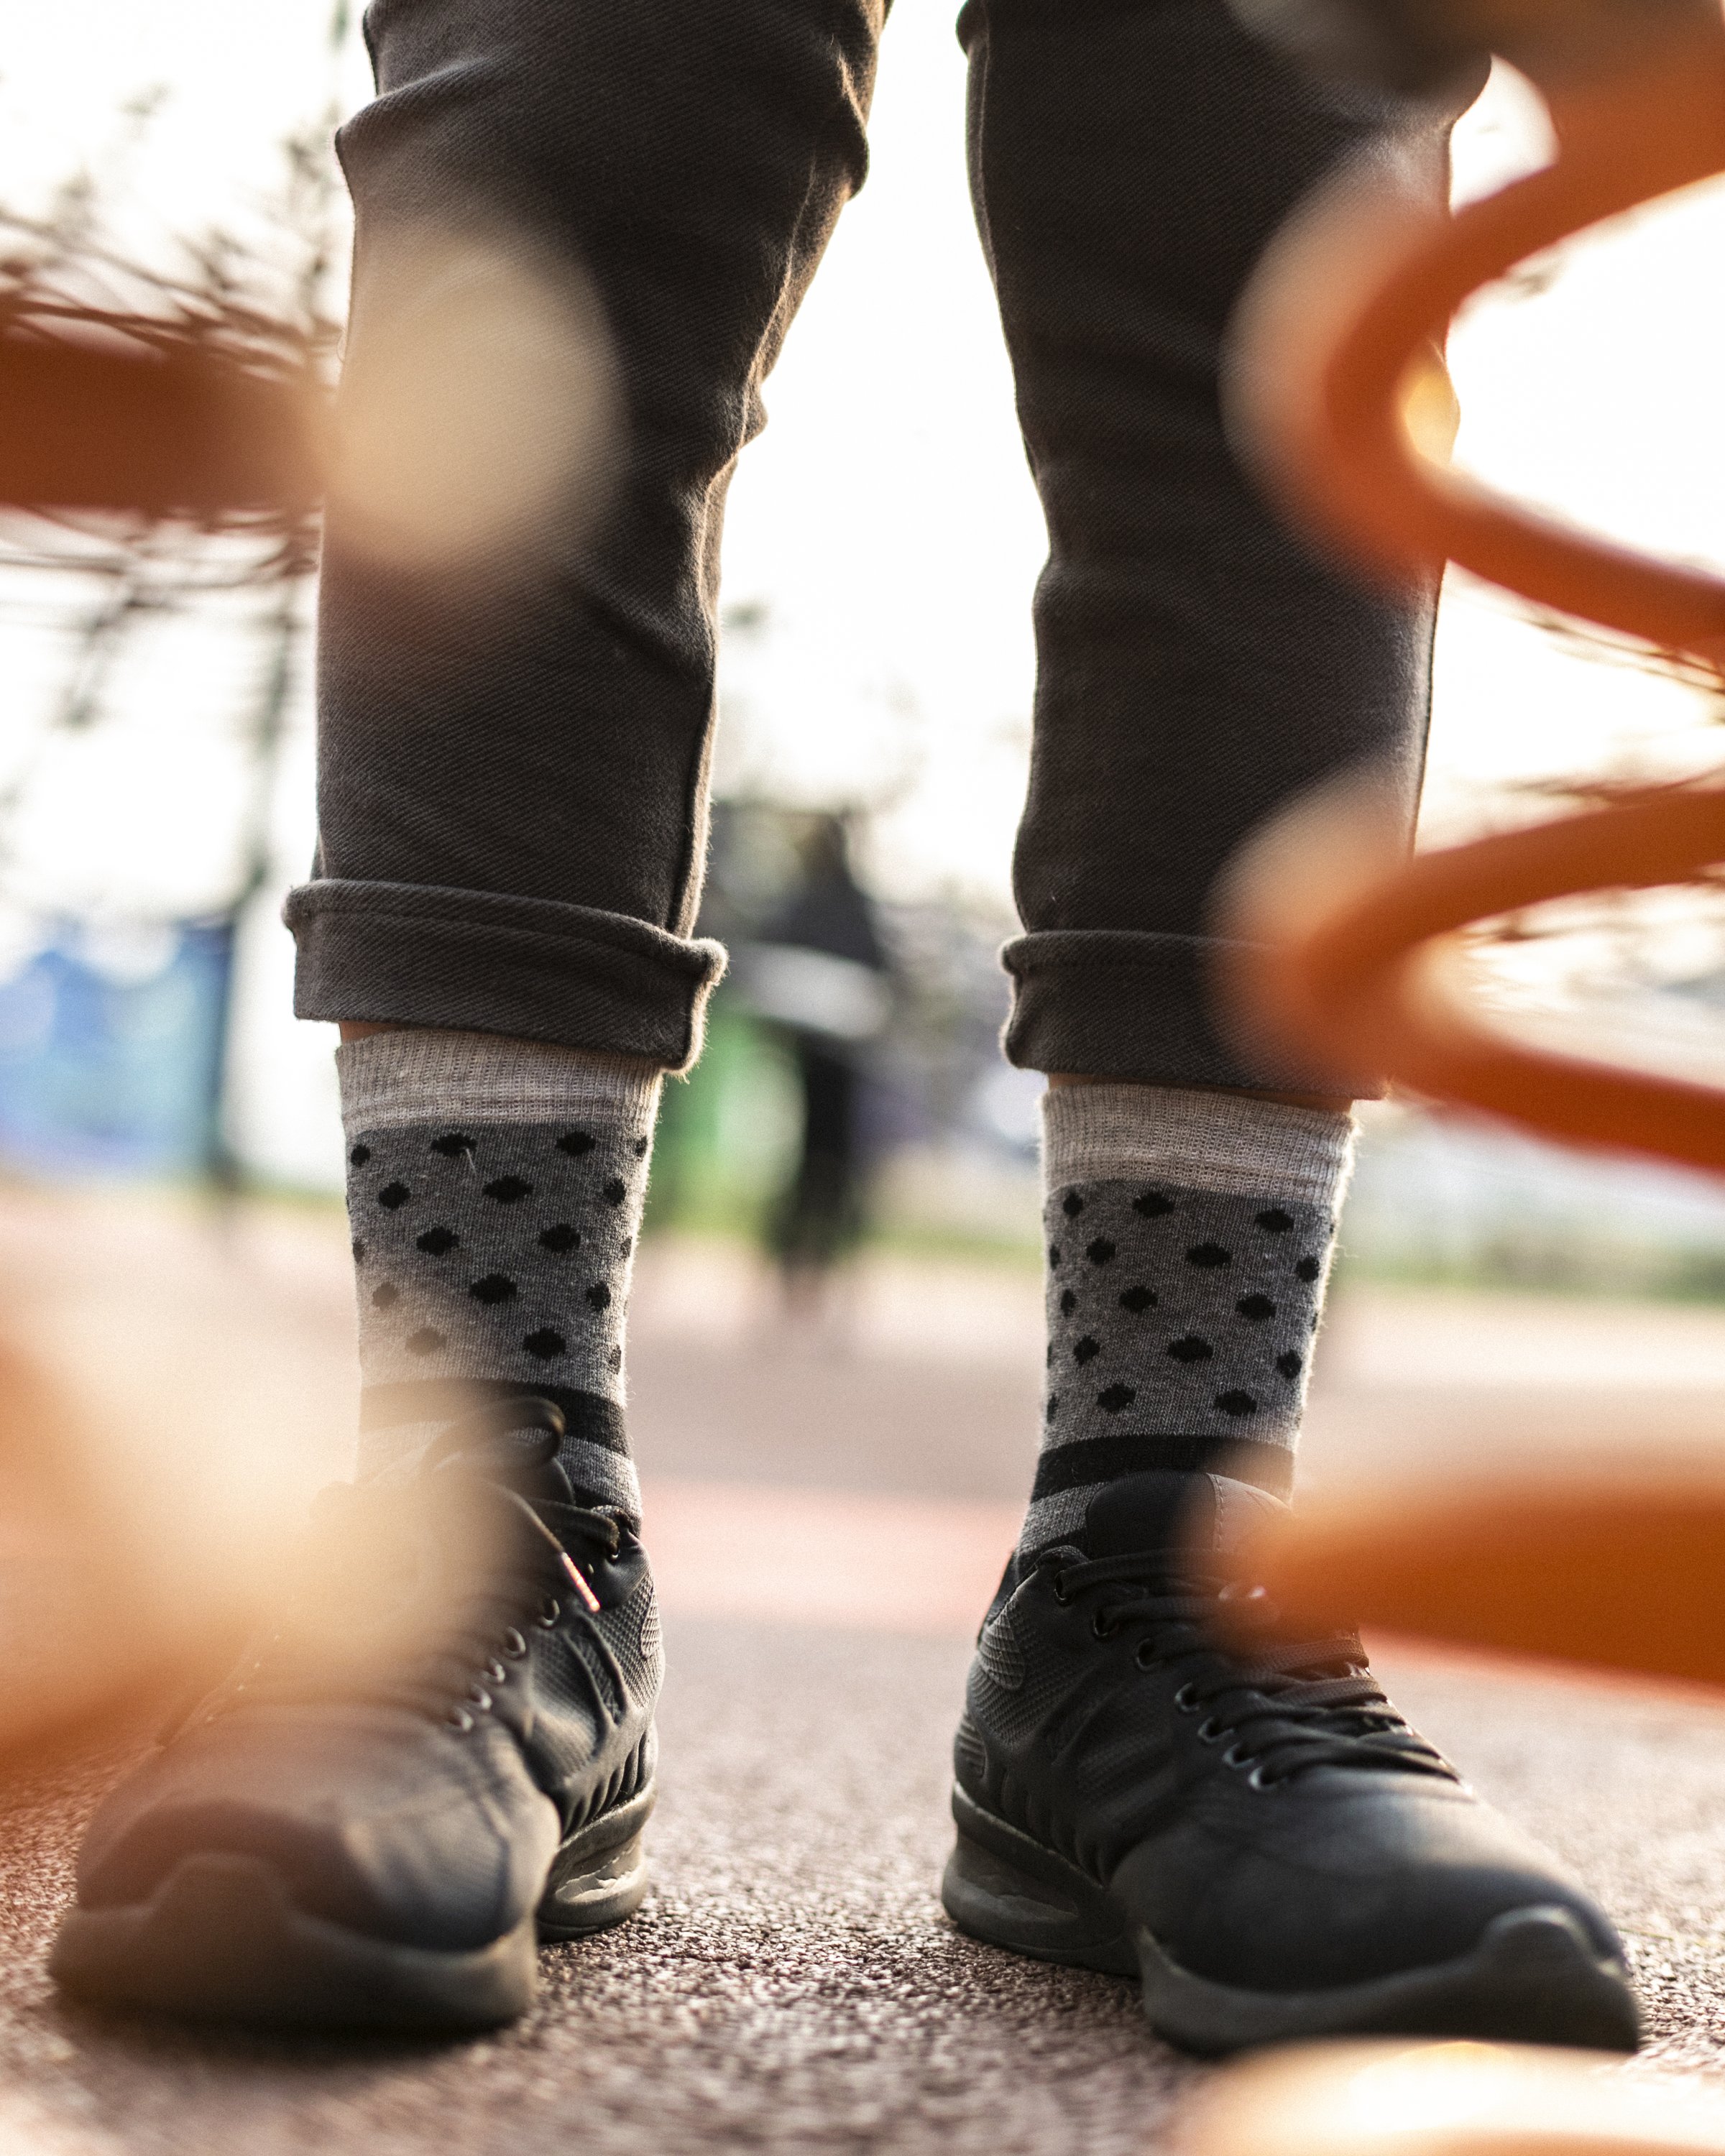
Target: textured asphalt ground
x: 791, y: 1983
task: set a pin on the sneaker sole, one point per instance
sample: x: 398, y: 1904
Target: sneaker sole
x: 219, y: 1940
x: 1533, y: 1978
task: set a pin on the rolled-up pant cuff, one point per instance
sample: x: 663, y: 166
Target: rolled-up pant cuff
x: 1129, y: 1004
x: 477, y: 962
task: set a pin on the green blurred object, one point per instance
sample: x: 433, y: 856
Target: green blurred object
x: 728, y: 1133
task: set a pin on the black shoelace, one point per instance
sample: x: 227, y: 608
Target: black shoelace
x: 1284, y: 1706
x: 444, y: 1649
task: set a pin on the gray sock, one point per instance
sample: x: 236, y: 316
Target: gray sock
x: 1189, y: 1239
x: 494, y: 1192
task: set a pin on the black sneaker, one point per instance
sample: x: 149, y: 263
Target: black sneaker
x: 443, y: 1753
x: 1257, y: 1835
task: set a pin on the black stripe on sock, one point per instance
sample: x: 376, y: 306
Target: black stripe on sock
x: 1104, y: 1458
x: 586, y: 1416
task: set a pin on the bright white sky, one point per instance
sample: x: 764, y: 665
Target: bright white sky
x: 886, y: 520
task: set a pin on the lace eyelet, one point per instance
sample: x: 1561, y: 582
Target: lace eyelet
x: 1235, y: 1757
x: 1100, y: 1628
x: 479, y: 1696
x: 458, y: 1717
x: 550, y: 1610
x: 1257, y: 1780
x: 515, y: 1645
x: 1208, y: 1731
x: 1144, y: 1654
x: 1185, y: 1702
x: 495, y: 1673
x: 1060, y: 1594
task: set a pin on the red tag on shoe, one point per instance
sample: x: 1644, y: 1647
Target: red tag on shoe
x: 578, y: 1584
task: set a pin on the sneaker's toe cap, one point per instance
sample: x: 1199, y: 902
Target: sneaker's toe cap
x: 378, y: 1822
x: 1337, y: 1879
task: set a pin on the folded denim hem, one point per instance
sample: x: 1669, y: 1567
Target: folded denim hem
x: 479, y: 962
x: 1138, y: 1005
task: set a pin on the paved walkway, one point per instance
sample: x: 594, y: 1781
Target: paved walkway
x: 826, y: 1524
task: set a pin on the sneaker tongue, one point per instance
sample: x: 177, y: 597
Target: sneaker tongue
x: 1189, y: 1515
x: 517, y: 1459
x: 541, y: 1481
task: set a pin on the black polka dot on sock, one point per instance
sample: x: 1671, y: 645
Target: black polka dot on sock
x: 359, y: 1254
x: 545, y: 1343
x: 1289, y: 1364
x: 1052, y: 1408
x: 1308, y: 1269
x: 359, y: 1155
x: 1257, y: 1307
x: 425, y: 1342
x: 509, y: 1190
x: 640, y: 1148
x: 1071, y: 1205
x: 1276, y: 1220
x: 1101, y: 1252
x: 437, y: 1242
x: 1152, y: 1205
x: 494, y: 1287
x: 1053, y: 1257
x: 1138, y: 1300
x: 615, y: 1191
x: 1069, y: 1302
x: 1189, y: 1349
x: 1084, y: 1349
x: 1208, y: 1256
x: 393, y: 1194
x: 563, y: 1237
x: 599, y: 1296
x: 1115, y: 1397
x: 575, y: 1143
x: 455, y: 1145
x: 1048, y: 1356
x: 385, y: 1295
x: 1236, y: 1404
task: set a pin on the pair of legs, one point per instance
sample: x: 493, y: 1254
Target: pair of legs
x: 513, y: 763
x: 514, y: 746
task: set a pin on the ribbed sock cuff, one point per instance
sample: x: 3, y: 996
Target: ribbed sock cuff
x: 1229, y: 1142
x: 415, y: 1075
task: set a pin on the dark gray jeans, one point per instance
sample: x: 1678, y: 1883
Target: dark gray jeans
x: 512, y: 781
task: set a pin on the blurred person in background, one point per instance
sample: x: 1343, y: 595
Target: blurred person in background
x: 517, y: 664
x: 818, y: 973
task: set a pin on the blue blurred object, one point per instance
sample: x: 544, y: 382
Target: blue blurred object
x: 111, y: 1050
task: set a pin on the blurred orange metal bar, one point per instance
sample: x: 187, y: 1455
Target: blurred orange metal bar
x: 1358, y: 989
x: 1338, y: 353
x: 98, y: 421
x: 1331, y: 364
x: 1615, y: 1576
x: 1344, y: 442
x: 1393, y: 2098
